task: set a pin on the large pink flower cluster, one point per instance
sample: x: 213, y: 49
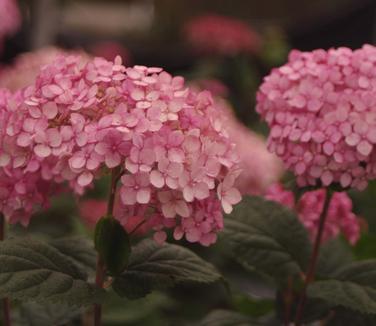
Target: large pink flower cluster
x: 215, y: 34
x: 178, y: 164
x: 321, y: 109
x: 10, y: 18
x: 339, y: 219
x: 27, y: 66
x: 21, y: 189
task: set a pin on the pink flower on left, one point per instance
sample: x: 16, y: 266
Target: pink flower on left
x: 80, y: 118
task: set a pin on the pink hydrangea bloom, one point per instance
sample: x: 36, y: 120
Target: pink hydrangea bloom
x: 171, y: 144
x: 10, y: 19
x: 320, y: 107
x: 340, y: 217
x: 27, y: 66
x: 215, y: 34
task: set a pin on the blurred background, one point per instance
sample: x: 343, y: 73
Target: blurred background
x: 226, y: 46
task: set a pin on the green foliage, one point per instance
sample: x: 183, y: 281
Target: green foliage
x: 79, y: 249
x: 33, y: 314
x: 153, y: 266
x: 112, y: 243
x: 334, y: 254
x: 268, y: 237
x: 33, y: 270
x: 227, y: 318
x: 366, y: 247
x: 252, y: 307
x: 146, y: 311
x: 353, y: 287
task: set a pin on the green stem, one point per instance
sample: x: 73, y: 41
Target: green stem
x: 100, y: 270
x: 313, y: 260
x: 5, y: 301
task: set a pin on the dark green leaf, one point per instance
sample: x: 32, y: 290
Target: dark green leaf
x: 112, y: 243
x: 353, y: 287
x: 342, y: 316
x: 33, y: 314
x: 334, y: 254
x: 268, y: 237
x: 79, y: 249
x: 33, y: 270
x: 154, y: 267
x: 227, y: 318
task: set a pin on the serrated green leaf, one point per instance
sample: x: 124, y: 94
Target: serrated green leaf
x: 342, y: 316
x: 354, y: 287
x: 228, y: 318
x: 153, y: 266
x: 33, y: 270
x: 266, y: 236
x: 33, y: 314
x: 113, y: 244
x: 334, y: 254
x: 346, y: 294
x: 79, y: 249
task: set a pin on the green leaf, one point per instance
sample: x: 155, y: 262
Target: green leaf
x: 153, y: 266
x: 112, y: 243
x: 344, y: 316
x: 33, y: 314
x: 267, y: 237
x: 33, y: 270
x: 227, y: 318
x: 79, y: 249
x: 334, y: 254
x: 353, y: 287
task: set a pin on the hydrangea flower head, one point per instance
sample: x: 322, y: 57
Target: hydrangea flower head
x: 340, y: 217
x: 320, y: 108
x: 177, y: 162
x: 215, y: 34
x: 27, y: 66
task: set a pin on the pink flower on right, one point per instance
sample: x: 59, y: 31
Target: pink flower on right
x: 340, y: 217
x: 321, y: 110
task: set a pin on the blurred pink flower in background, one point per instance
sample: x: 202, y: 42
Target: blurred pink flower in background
x: 340, y: 217
x: 91, y: 210
x: 27, y: 66
x: 10, y: 19
x: 259, y: 168
x: 215, y: 34
x: 110, y: 49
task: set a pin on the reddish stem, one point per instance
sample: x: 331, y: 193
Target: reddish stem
x: 5, y: 301
x: 288, y: 298
x: 313, y: 260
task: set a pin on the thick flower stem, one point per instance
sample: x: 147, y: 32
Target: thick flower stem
x: 100, y: 270
x: 313, y: 260
x: 5, y: 301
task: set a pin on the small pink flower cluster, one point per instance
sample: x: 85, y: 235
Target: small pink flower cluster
x: 79, y: 119
x: 26, y: 67
x: 340, y: 218
x: 10, y: 18
x: 215, y: 34
x: 321, y: 109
